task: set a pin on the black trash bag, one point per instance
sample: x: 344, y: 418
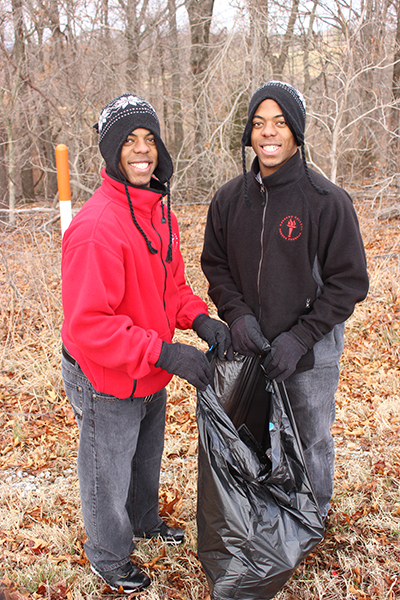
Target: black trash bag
x: 257, y: 516
x: 241, y: 389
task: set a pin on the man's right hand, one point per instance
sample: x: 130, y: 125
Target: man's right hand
x: 247, y: 337
x: 187, y: 362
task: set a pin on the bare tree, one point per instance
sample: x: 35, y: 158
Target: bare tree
x: 272, y: 28
x: 345, y: 86
x: 23, y: 115
x: 395, y: 116
x: 177, y: 117
x: 200, y: 15
x: 62, y: 61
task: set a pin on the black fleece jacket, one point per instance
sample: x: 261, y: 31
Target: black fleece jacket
x: 263, y: 259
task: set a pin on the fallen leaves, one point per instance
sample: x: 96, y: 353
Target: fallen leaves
x: 154, y: 562
x: 37, y: 546
x: 8, y: 591
x: 360, y: 556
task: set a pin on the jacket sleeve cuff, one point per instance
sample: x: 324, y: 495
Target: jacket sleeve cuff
x: 304, y: 336
x: 154, y: 355
x: 236, y: 315
x: 199, y: 320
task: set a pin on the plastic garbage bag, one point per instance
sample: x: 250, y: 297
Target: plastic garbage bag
x: 257, y: 516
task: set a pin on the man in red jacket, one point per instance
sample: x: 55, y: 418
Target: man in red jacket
x: 124, y: 293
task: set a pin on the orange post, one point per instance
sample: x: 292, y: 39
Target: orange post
x: 64, y: 189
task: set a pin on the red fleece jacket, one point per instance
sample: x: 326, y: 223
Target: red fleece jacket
x: 120, y: 301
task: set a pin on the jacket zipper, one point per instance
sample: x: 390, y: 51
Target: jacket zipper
x: 263, y: 191
x: 165, y: 270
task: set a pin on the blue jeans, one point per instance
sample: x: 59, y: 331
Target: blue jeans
x: 119, y: 459
x: 312, y: 398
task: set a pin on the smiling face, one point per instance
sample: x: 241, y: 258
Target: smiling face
x: 271, y: 138
x: 139, y: 157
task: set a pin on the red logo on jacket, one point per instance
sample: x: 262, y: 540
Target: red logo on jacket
x: 290, y: 228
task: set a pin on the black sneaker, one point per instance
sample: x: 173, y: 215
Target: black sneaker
x: 170, y: 535
x: 129, y: 577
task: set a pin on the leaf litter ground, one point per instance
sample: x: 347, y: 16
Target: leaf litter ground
x: 41, y: 530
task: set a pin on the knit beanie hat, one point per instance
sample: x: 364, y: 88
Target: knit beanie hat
x: 117, y: 120
x: 291, y: 102
x: 293, y: 107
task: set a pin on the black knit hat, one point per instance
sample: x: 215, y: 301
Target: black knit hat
x: 117, y: 120
x: 293, y: 107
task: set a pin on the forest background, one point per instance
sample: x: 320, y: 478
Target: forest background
x: 61, y: 62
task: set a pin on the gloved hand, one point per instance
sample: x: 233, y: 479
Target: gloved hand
x: 286, y: 351
x: 186, y: 362
x: 247, y: 337
x: 215, y: 333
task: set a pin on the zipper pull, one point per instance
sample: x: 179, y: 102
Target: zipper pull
x: 264, y: 194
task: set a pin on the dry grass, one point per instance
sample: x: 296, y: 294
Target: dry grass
x: 41, y: 530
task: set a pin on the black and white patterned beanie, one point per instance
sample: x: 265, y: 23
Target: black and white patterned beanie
x: 293, y: 107
x: 117, y: 120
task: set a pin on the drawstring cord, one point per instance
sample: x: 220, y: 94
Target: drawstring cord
x: 163, y: 220
x: 246, y: 190
x: 169, y: 251
x: 148, y: 242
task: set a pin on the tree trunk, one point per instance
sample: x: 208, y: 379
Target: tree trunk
x: 132, y: 42
x: 306, y: 55
x: 3, y: 170
x: 395, y: 116
x: 28, y: 190
x: 175, y: 81
x: 133, y: 38
x: 200, y: 15
x: 258, y: 14
x: 278, y: 62
x: 10, y: 159
x: 263, y: 47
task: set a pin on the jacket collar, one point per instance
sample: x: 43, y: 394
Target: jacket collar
x: 143, y: 198
x: 288, y: 174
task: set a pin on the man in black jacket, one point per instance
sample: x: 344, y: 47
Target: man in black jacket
x: 285, y: 263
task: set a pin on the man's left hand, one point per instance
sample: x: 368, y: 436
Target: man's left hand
x: 286, y: 351
x: 215, y: 333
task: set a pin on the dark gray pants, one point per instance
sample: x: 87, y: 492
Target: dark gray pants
x: 312, y: 397
x: 120, y: 448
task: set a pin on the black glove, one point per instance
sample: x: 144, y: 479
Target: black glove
x: 247, y: 337
x: 215, y: 333
x: 286, y: 351
x: 187, y: 362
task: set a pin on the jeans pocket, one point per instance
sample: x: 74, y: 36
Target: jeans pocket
x: 75, y: 393
x: 75, y: 396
